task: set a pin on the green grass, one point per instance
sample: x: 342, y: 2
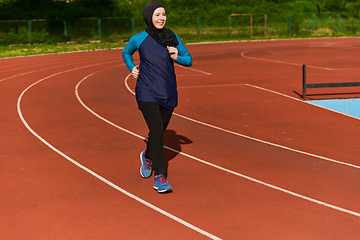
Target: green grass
x: 38, y: 49
x: 28, y: 50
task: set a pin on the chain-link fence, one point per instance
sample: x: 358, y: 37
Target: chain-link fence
x: 235, y: 26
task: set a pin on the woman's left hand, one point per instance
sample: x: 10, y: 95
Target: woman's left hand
x: 173, y: 52
x: 135, y: 72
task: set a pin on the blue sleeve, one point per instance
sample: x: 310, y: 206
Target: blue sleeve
x: 184, y: 57
x: 131, y: 48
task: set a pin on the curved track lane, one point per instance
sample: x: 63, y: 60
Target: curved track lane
x: 237, y: 113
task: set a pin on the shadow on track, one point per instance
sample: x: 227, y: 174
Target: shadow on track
x: 174, y: 141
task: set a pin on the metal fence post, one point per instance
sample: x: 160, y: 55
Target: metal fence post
x: 65, y: 29
x: 251, y: 26
x: 29, y: 30
x: 229, y: 34
x: 198, y: 26
x: 304, y: 81
x: 289, y: 24
x: 133, y: 25
x: 314, y: 22
x: 99, y: 27
x: 265, y: 16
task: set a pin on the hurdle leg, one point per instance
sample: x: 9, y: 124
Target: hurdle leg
x: 304, y: 81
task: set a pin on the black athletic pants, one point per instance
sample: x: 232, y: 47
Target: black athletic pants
x: 157, y: 119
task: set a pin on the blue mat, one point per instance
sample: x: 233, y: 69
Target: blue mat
x: 348, y: 106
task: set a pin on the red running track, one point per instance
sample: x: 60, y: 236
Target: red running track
x: 247, y: 158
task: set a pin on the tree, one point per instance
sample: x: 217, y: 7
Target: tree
x: 94, y: 8
x: 353, y: 6
x: 49, y: 9
x: 334, y: 5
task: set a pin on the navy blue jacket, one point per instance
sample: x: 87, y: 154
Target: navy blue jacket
x: 157, y: 79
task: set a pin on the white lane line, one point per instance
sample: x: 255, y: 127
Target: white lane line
x: 92, y: 172
x: 45, y: 63
x: 169, y: 215
x: 306, y: 102
x: 269, y: 143
x: 252, y: 138
x: 233, y: 172
x: 189, y: 75
x: 16, y: 69
x: 287, y: 63
x: 44, y: 69
x: 211, y: 86
x: 193, y: 69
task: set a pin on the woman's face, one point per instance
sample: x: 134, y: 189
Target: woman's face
x: 159, y: 18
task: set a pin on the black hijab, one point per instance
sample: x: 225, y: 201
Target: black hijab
x: 164, y: 36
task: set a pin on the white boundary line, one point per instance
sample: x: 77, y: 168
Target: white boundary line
x: 252, y: 138
x: 281, y: 62
x: 39, y: 70
x: 186, y: 224
x: 192, y: 69
x: 19, y: 68
x: 271, y: 40
x: 211, y: 86
x: 307, y: 102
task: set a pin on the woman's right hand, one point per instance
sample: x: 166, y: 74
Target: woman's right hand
x: 135, y: 72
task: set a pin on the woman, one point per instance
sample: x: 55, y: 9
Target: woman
x: 156, y: 88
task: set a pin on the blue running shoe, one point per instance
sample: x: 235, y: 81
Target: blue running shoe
x: 161, y: 184
x: 145, y: 169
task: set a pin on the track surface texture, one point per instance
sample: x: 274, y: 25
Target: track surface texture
x: 246, y: 156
